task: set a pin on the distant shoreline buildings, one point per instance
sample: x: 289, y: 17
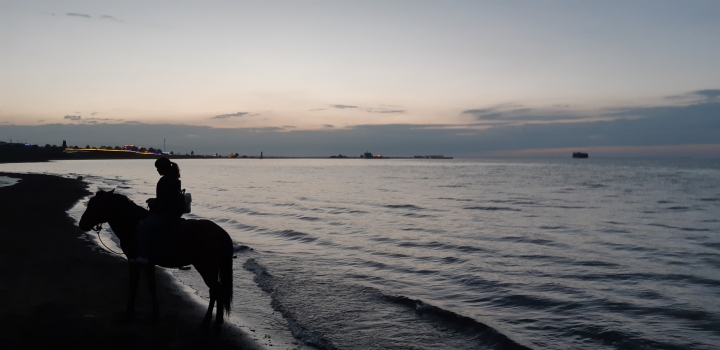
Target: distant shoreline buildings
x: 11, y: 152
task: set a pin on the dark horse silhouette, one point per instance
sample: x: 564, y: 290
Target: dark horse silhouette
x: 204, y: 244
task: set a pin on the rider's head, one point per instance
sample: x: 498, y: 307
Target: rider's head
x: 165, y: 167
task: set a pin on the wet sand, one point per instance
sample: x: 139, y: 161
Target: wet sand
x: 56, y: 291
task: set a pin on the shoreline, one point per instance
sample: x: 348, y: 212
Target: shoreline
x: 59, y: 290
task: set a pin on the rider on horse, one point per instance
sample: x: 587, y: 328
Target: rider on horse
x: 165, y: 210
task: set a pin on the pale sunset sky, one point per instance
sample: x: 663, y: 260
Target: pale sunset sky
x: 304, y: 77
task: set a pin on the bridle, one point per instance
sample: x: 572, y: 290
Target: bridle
x: 97, y: 228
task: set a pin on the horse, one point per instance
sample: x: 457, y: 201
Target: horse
x: 205, y: 245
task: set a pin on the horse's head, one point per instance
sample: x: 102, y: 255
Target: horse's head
x: 98, y: 210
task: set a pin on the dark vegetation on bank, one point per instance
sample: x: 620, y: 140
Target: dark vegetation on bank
x: 59, y: 291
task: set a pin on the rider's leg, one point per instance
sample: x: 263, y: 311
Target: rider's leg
x: 143, y: 236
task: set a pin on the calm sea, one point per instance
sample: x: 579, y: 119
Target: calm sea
x: 458, y: 254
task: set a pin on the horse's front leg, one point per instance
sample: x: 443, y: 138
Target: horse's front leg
x: 134, y: 277
x: 150, y: 274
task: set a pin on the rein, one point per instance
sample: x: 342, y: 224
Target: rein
x: 97, y: 230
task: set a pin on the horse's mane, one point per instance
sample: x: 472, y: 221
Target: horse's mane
x: 125, y: 201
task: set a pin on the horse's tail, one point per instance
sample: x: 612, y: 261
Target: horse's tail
x: 226, y: 275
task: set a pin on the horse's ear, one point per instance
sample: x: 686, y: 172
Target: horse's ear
x: 112, y: 191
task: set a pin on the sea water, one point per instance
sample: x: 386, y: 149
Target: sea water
x: 458, y: 254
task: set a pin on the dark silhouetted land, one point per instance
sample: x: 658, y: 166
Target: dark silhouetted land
x: 57, y: 292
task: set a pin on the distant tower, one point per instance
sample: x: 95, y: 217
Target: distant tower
x: 64, y: 144
x: 261, y: 156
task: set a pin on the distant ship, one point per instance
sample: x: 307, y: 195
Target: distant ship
x: 579, y: 155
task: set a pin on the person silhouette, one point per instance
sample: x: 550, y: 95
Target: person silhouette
x: 165, y: 209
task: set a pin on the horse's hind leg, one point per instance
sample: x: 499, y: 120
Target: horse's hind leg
x: 219, y: 312
x: 210, y: 276
x: 208, y: 314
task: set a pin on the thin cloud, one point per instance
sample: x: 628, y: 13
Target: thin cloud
x: 72, y: 14
x: 484, y: 113
x: 93, y: 113
x: 495, y: 112
x: 73, y: 117
x: 318, y: 109
x: 386, y: 111
x: 520, y: 115
x: 110, y: 18
x: 328, y: 125
x: 705, y: 95
x: 266, y: 129
x: 103, y: 119
x: 365, y: 109
x: 232, y: 115
x: 709, y: 94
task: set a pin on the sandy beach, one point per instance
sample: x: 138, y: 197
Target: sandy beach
x: 57, y: 292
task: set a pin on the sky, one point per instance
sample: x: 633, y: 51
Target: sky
x: 314, y: 78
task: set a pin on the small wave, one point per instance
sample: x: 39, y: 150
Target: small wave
x: 689, y: 229
x: 678, y: 208
x: 456, y: 199
x: 491, y: 208
x: 443, y: 246
x: 403, y: 206
x: 614, y: 223
x: 613, y: 230
x: 596, y: 263
x: 483, y: 333
x: 514, y: 201
x: 242, y: 211
x: 710, y: 199
x: 413, y: 215
x: 423, y: 229
x: 267, y: 283
x: 713, y: 245
x: 284, y: 204
x: 531, y: 302
x: 544, y: 227
x: 297, y: 236
x: 529, y: 240
x: 342, y: 210
x: 237, y: 248
x: 568, y: 207
x: 451, y: 260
